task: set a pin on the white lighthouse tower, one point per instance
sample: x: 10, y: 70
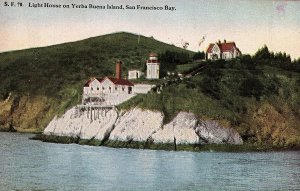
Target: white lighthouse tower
x: 153, y: 66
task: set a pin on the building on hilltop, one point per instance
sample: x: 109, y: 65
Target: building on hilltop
x: 152, y: 67
x: 108, y: 90
x: 152, y: 72
x: 134, y: 74
x: 222, y: 50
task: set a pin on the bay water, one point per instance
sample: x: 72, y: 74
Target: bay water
x: 34, y: 165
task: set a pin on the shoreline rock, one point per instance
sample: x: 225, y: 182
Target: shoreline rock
x: 165, y: 146
x: 144, y: 126
x: 136, y: 125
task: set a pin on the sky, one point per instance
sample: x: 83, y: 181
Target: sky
x: 249, y: 23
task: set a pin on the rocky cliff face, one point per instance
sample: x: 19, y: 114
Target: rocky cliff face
x: 84, y: 126
x: 142, y: 126
x: 185, y: 128
x: 25, y: 113
x: 136, y: 125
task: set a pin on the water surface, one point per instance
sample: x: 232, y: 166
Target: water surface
x: 33, y: 165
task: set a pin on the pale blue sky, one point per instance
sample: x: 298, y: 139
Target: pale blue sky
x: 251, y: 24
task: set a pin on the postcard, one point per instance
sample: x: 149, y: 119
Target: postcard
x: 149, y: 95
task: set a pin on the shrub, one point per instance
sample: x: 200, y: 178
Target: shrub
x: 251, y: 87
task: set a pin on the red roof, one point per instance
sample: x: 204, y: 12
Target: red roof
x: 113, y: 80
x: 87, y: 84
x: 120, y: 81
x: 209, y: 49
x: 224, y: 47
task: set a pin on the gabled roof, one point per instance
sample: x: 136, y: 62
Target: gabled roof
x: 210, y: 46
x: 120, y: 81
x: 224, y: 47
x: 113, y: 80
x: 87, y: 84
x: 228, y: 46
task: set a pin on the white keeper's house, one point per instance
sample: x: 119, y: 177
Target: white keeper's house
x: 222, y: 50
x: 112, y: 91
x: 108, y: 90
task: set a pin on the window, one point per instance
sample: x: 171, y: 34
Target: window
x: 97, y: 88
x: 214, y: 56
x: 92, y: 88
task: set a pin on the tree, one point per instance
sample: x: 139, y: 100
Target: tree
x: 262, y: 53
x: 199, y: 55
x: 174, y: 57
x: 248, y: 61
x: 296, y: 64
x: 251, y: 87
x: 211, y: 82
x: 170, y: 59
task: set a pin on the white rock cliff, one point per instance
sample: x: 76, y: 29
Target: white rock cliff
x: 136, y: 125
x: 141, y: 125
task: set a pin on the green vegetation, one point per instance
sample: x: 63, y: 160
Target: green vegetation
x: 279, y: 59
x: 166, y: 146
x: 56, y: 139
x: 49, y: 70
x: 174, y: 61
x: 185, y: 67
x: 170, y: 59
x: 257, y: 97
x: 199, y: 56
x: 44, y: 82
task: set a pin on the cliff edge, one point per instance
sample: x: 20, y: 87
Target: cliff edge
x: 140, y: 126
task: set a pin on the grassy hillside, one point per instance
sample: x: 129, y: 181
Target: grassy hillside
x: 45, y: 81
x: 260, y: 100
x: 259, y: 96
x: 46, y: 70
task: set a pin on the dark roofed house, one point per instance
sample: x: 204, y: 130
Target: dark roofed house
x: 222, y: 50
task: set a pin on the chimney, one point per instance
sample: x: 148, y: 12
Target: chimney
x: 224, y: 40
x: 219, y: 41
x: 119, y: 70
